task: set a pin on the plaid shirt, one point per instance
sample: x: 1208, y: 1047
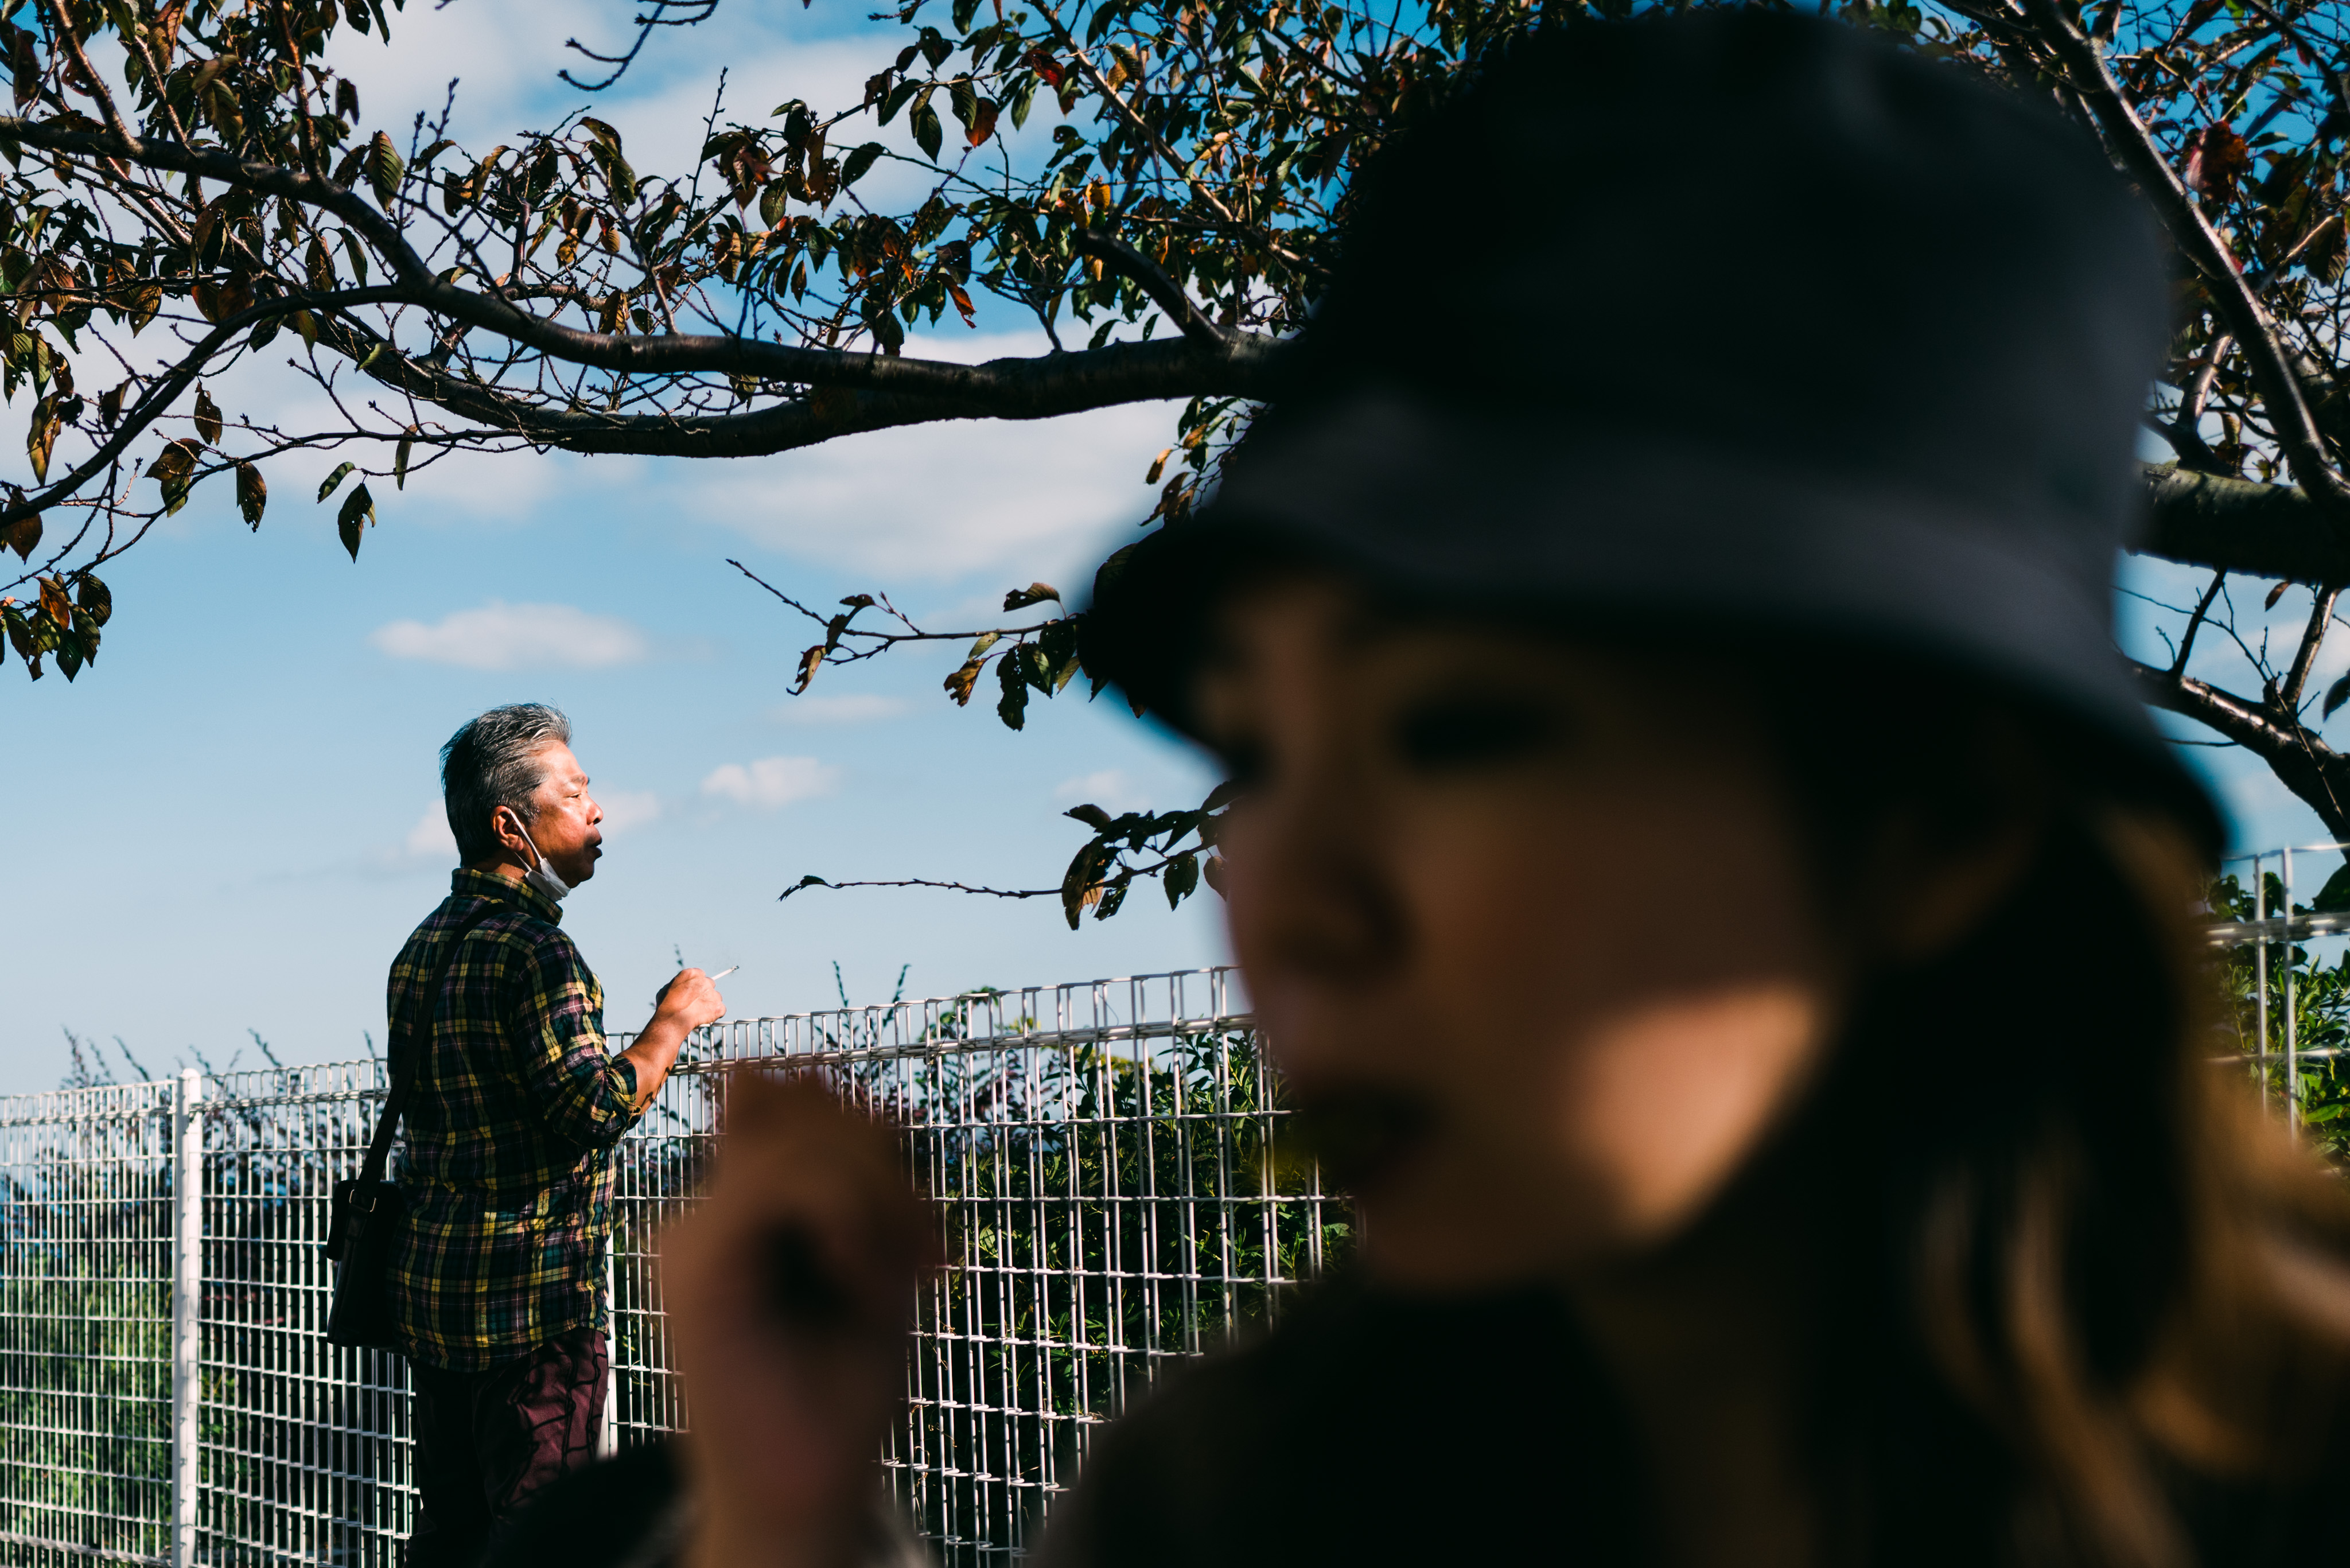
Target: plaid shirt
x: 508, y: 1167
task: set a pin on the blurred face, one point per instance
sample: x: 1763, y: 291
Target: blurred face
x: 1528, y: 928
x: 567, y: 829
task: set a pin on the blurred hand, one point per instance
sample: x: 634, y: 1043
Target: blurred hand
x: 790, y: 1291
x: 692, y: 999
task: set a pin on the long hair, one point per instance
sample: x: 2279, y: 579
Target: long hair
x: 2089, y: 1308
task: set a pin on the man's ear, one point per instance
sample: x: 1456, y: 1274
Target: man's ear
x: 1941, y: 861
x: 505, y: 825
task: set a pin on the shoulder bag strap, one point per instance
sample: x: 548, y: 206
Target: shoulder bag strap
x: 403, y: 1085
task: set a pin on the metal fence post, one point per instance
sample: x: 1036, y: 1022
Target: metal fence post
x: 607, y: 1440
x: 187, y: 1300
x: 2292, y: 1012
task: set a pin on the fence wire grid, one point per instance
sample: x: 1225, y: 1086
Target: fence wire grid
x: 1101, y: 1156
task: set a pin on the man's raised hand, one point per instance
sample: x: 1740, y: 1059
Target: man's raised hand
x: 692, y: 999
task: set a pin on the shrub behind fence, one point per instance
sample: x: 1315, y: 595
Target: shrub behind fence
x: 1101, y: 1156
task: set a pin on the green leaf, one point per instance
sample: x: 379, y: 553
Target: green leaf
x: 809, y: 881
x: 359, y: 509
x: 384, y: 170
x: 1033, y: 594
x: 896, y: 100
x: 1080, y: 882
x: 399, y: 459
x: 342, y: 472
x: 41, y: 437
x: 1182, y: 877
x: 174, y: 469
x: 1012, y: 706
x: 96, y: 599
x: 2335, y: 695
x: 860, y: 160
x: 1092, y: 816
x: 928, y: 132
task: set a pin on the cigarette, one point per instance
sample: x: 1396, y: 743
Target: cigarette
x: 722, y: 974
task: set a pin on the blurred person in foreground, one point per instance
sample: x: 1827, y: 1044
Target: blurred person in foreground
x: 497, y: 1281
x: 1705, y: 876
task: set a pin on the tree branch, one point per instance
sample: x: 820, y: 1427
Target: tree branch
x: 2258, y: 338
x: 1164, y: 291
x: 2304, y: 764
x: 2239, y: 525
x: 806, y: 882
x: 161, y: 394
x: 1007, y: 389
x: 2320, y: 616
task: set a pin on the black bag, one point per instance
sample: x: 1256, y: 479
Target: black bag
x: 368, y: 1209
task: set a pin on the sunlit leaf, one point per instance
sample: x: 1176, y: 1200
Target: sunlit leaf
x: 384, y: 169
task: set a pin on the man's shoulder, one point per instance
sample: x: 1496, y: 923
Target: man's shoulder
x: 526, y: 932
x: 520, y: 932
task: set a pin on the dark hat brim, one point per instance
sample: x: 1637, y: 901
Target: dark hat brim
x: 1621, y: 538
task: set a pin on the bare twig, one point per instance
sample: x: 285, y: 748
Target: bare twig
x: 2321, y: 618
x: 2195, y: 623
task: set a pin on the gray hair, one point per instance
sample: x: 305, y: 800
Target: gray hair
x: 493, y: 762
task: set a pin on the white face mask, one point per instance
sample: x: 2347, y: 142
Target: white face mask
x: 541, y: 876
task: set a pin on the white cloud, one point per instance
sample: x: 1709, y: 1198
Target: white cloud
x: 431, y: 838
x: 1109, y: 789
x: 500, y: 636
x: 862, y: 708
x: 628, y: 810
x: 1023, y: 498
x: 772, y: 782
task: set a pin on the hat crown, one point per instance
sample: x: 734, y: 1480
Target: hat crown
x: 1773, y: 237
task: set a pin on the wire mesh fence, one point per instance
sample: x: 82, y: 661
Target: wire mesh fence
x: 86, y: 1319
x: 2284, y: 926
x: 1100, y: 1156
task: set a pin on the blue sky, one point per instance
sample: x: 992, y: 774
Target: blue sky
x: 231, y: 821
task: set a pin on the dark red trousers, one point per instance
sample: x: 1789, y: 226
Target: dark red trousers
x: 486, y: 1440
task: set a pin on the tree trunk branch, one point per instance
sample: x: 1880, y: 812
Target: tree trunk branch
x: 2315, y: 773
x: 2236, y: 525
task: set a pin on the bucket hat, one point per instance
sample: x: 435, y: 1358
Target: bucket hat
x: 1738, y: 321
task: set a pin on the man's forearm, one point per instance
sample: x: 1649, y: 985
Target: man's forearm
x: 653, y: 1053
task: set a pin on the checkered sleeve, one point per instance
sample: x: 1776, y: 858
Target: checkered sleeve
x: 555, y: 1022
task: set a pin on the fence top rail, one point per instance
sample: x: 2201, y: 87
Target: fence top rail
x: 1072, y: 1013
x: 98, y: 1103
x: 2278, y: 929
